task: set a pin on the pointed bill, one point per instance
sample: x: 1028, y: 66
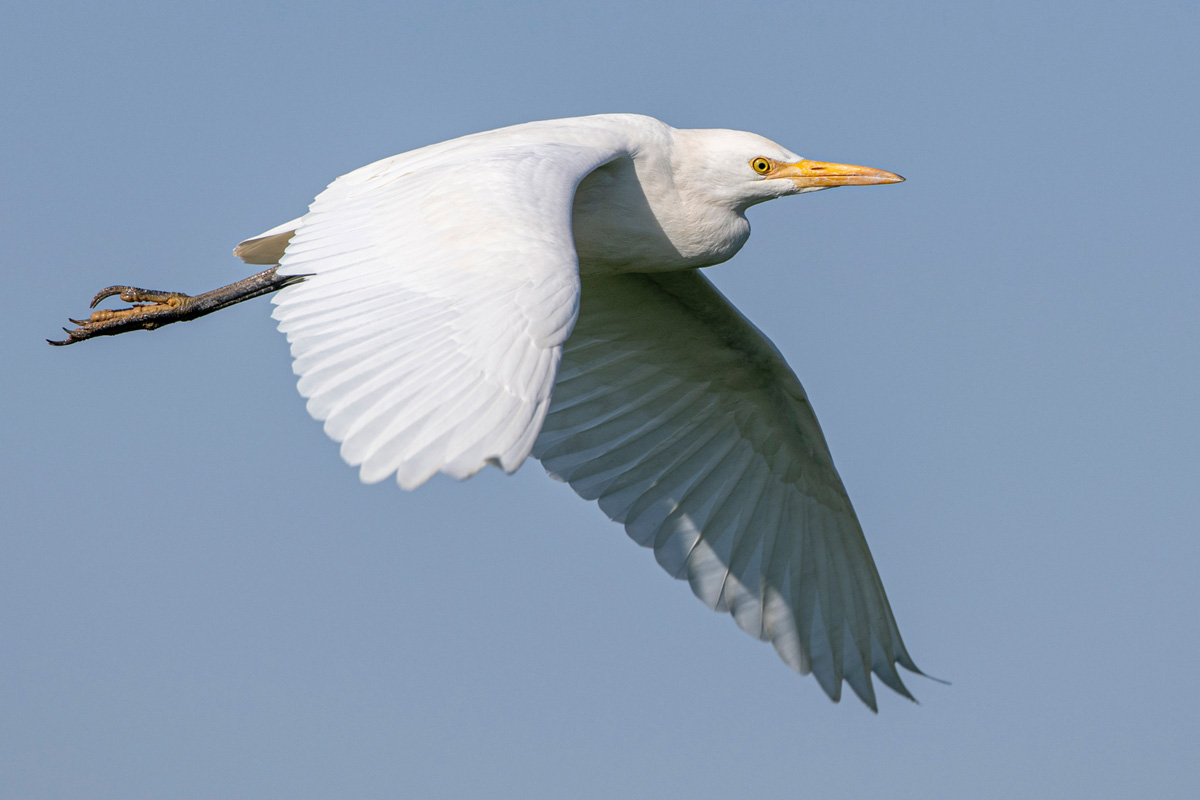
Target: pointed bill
x: 813, y: 174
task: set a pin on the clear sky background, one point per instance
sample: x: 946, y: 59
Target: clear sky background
x: 199, y: 599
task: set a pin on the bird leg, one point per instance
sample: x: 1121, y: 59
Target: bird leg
x: 152, y: 309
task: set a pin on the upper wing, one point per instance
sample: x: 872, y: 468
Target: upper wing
x: 688, y: 427
x: 443, y: 284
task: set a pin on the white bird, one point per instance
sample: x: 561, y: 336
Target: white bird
x: 533, y: 291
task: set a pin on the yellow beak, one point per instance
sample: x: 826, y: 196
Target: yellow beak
x: 811, y: 174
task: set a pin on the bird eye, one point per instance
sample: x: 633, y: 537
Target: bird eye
x: 761, y: 165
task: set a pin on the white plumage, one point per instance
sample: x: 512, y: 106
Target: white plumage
x: 532, y: 290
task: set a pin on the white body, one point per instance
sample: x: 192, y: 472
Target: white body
x: 531, y: 290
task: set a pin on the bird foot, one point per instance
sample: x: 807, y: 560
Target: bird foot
x: 151, y: 309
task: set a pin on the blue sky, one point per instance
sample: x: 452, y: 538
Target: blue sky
x: 198, y: 599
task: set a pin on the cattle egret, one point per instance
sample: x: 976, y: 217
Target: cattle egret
x: 534, y: 290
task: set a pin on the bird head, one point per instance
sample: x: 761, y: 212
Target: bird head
x: 744, y: 169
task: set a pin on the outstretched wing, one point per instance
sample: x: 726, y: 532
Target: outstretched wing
x: 443, y: 284
x: 687, y: 426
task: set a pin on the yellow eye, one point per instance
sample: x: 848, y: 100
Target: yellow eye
x: 761, y: 165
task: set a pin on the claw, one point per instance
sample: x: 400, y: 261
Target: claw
x: 66, y: 341
x: 104, y: 294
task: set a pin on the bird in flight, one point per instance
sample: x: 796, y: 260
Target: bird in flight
x: 535, y: 290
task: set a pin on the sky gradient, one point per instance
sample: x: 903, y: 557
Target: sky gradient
x: 199, y: 599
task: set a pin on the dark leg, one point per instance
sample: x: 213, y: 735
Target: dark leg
x: 154, y: 309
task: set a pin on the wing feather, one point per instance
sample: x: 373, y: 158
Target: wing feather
x: 686, y: 425
x: 441, y: 286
